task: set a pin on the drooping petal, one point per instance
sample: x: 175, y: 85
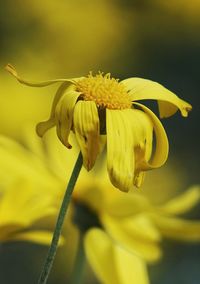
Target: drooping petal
x: 168, y: 102
x: 143, y: 136
x: 67, y: 85
x: 184, y: 202
x: 100, y: 254
x: 120, y: 148
x: 136, y: 234
x: 162, y: 145
x: 130, y: 268
x: 64, y: 116
x: 13, y: 72
x: 86, y: 127
x: 43, y: 126
x: 177, y: 229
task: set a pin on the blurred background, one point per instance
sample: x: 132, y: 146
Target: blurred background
x: 152, y: 39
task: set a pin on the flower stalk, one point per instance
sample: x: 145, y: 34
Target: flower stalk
x: 59, y: 224
x: 79, y: 264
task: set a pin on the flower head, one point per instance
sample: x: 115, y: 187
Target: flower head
x: 130, y: 229
x: 36, y: 163
x: 122, y: 232
x: 105, y: 91
x: 27, y: 187
x: 95, y: 105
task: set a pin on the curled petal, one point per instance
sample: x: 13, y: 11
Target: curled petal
x: 13, y: 72
x: 120, y: 148
x: 43, y: 126
x: 86, y: 127
x: 168, y: 102
x: 184, y: 202
x: 162, y: 145
x: 64, y: 116
x: 67, y: 85
x: 142, y: 125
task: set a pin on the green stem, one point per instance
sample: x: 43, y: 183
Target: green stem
x: 79, y: 265
x: 63, y: 210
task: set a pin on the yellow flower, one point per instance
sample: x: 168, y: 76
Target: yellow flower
x: 26, y: 201
x: 44, y: 165
x: 132, y: 229
x: 123, y: 232
x: 95, y: 105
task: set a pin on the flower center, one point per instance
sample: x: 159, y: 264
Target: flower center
x: 84, y: 217
x: 105, y: 91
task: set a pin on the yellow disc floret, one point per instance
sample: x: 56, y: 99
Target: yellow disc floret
x: 105, y: 91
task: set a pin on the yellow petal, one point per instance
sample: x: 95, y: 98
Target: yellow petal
x: 168, y: 102
x: 43, y: 126
x: 100, y: 254
x: 120, y: 148
x: 67, y: 85
x: 28, y: 209
x: 111, y: 263
x: 177, y: 229
x: 127, y: 205
x: 130, y: 268
x: 162, y: 145
x: 64, y: 116
x: 40, y: 237
x: 184, y: 202
x: 8, y: 230
x: 86, y: 127
x: 24, y: 165
x: 136, y: 234
x: 13, y: 72
x: 143, y: 136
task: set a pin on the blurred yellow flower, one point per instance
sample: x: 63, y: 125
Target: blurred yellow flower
x: 37, y: 161
x: 21, y: 210
x: 123, y: 232
x: 26, y: 201
x: 96, y: 105
x: 131, y: 228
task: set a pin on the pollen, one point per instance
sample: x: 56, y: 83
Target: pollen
x: 105, y: 91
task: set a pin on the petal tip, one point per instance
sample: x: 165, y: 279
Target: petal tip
x: 11, y: 69
x: 185, y: 110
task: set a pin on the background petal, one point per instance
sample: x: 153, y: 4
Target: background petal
x: 130, y: 268
x: 100, y: 254
x: 40, y: 237
x: 178, y: 229
x: 137, y: 234
x: 183, y: 202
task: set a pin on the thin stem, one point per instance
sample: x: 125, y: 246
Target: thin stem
x: 79, y: 265
x: 63, y: 210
